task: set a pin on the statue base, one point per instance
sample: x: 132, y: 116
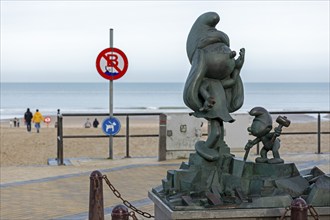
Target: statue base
x: 163, y: 211
x: 216, y: 187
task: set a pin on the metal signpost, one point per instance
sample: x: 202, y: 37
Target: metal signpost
x: 111, y: 64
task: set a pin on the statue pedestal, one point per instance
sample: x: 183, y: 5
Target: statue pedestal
x: 162, y: 211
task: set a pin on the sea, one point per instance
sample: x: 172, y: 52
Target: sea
x: 149, y: 97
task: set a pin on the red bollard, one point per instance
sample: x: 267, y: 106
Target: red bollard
x: 120, y: 212
x: 96, y: 208
x: 299, y: 209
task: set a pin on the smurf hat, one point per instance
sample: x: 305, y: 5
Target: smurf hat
x: 204, y: 33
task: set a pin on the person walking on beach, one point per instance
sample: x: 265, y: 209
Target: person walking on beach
x: 27, y: 118
x: 88, y: 123
x: 15, y: 122
x: 95, y: 123
x: 37, y: 118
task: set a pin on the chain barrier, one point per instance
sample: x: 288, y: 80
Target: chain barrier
x: 96, y: 211
x: 125, y: 202
x: 313, y: 212
x: 97, y: 196
x: 132, y: 214
x: 310, y: 208
x: 287, y: 209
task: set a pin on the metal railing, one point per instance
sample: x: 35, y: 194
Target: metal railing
x: 162, y: 131
x: 161, y: 135
x: 318, y: 132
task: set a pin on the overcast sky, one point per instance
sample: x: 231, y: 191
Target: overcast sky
x: 58, y: 41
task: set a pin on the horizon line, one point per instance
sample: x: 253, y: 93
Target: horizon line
x: 284, y: 82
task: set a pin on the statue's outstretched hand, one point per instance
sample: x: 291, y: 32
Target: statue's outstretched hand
x: 208, y: 104
x: 240, y: 59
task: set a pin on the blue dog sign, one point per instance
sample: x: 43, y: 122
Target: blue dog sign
x: 111, y: 126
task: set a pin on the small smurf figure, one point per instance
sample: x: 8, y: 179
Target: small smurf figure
x: 261, y: 128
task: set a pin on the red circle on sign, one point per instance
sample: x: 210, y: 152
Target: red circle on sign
x: 111, y: 58
x: 47, y: 119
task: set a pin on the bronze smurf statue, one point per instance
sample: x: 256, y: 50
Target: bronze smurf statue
x: 260, y: 128
x: 214, y: 87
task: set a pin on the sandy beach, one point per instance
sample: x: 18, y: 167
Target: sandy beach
x: 19, y: 147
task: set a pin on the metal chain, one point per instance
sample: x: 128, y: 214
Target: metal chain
x: 132, y: 214
x: 286, y: 211
x: 310, y: 208
x: 125, y: 202
x: 313, y: 212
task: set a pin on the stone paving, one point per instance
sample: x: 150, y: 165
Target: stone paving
x: 62, y: 192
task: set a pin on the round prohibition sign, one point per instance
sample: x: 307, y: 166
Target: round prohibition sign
x: 111, y: 63
x: 47, y: 119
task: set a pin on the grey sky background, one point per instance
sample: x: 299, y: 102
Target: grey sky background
x: 58, y: 41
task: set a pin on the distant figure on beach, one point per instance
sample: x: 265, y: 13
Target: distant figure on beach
x: 88, y: 123
x: 95, y: 123
x: 37, y: 118
x: 27, y: 118
x: 15, y: 122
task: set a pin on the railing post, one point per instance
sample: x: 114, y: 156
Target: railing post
x: 58, y: 136
x: 96, y: 208
x: 162, y: 137
x: 127, y: 137
x: 318, y: 133
x: 60, y: 160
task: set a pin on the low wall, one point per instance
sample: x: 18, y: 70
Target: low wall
x: 183, y: 131
x: 162, y: 211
